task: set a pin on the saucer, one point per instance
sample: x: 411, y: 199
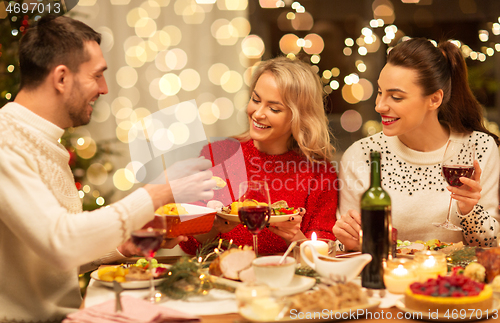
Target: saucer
x: 298, y: 284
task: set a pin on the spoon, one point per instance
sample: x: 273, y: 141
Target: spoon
x: 118, y: 289
x: 290, y: 247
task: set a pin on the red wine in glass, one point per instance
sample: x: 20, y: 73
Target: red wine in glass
x: 458, y: 161
x: 452, y: 173
x: 254, y: 218
x: 253, y: 208
x: 148, y: 241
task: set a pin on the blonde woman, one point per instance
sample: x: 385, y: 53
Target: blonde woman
x: 288, y: 145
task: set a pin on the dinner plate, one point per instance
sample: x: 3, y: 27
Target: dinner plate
x: 272, y: 218
x: 134, y: 284
x: 298, y: 284
x: 333, y: 315
x: 452, y: 317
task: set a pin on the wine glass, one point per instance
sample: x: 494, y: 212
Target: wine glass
x: 458, y: 161
x: 253, y: 208
x: 149, y: 239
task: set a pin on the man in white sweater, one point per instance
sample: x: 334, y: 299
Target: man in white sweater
x: 44, y: 235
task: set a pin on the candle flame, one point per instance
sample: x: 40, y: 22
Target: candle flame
x: 314, y: 237
x: 431, y: 262
x: 400, y: 271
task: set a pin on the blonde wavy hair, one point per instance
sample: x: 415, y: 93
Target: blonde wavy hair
x: 302, y: 92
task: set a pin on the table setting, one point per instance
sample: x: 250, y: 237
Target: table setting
x: 310, y: 281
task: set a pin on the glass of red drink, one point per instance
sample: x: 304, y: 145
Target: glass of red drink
x: 253, y: 208
x: 458, y: 161
x: 148, y: 240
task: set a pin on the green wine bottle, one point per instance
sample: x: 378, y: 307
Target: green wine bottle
x: 376, y: 227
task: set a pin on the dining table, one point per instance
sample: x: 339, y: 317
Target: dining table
x: 220, y: 306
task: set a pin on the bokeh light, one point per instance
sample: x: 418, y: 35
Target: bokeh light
x: 231, y: 81
x: 288, y: 44
x: 225, y: 107
x: 126, y: 77
x: 316, y: 44
x: 121, y: 179
x: 209, y: 113
x: 216, y: 71
x: 253, y: 46
x: 170, y: 84
x: 190, y: 79
x: 101, y: 112
x: 97, y: 174
x: 351, y: 120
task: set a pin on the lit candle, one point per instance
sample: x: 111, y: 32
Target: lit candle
x: 398, y: 275
x: 430, y: 265
x: 320, y: 246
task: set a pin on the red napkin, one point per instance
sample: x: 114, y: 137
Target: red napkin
x: 134, y: 311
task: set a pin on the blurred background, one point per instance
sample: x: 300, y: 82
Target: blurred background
x: 163, y: 52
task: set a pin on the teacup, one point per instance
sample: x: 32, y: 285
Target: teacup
x: 269, y: 272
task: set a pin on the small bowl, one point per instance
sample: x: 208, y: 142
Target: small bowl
x: 199, y: 220
x: 267, y: 271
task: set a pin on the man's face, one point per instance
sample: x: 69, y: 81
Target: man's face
x: 88, y: 84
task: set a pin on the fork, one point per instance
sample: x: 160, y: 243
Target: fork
x: 118, y: 289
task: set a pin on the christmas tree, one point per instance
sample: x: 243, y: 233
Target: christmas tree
x: 16, y: 17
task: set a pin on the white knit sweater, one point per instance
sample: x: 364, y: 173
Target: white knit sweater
x: 418, y: 190
x: 44, y: 235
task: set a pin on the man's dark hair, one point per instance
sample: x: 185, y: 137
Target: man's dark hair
x: 55, y: 40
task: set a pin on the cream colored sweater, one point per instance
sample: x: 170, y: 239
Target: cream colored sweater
x: 44, y: 235
x: 418, y: 190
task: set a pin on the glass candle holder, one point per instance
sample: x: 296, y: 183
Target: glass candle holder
x: 324, y: 247
x: 430, y: 264
x: 399, y: 274
x: 256, y: 303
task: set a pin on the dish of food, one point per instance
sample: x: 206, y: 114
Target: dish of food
x: 452, y: 316
x: 186, y: 219
x: 134, y: 284
x: 408, y: 248
x: 334, y: 315
x: 272, y: 218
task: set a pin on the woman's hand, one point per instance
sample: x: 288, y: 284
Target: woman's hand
x: 223, y: 226
x: 220, y: 225
x: 468, y: 195
x: 347, y: 229
x: 289, y: 230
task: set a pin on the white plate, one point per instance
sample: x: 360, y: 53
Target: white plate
x: 135, y: 284
x: 272, y: 218
x: 335, y: 315
x: 492, y: 313
x: 298, y: 284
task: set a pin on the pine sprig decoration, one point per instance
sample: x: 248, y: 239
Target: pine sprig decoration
x: 306, y: 271
x: 185, y: 279
x: 207, y: 251
x: 462, y: 257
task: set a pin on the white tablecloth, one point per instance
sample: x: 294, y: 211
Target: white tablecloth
x: 216, y: 302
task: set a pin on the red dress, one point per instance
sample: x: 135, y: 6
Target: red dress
x: 290, y: 177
